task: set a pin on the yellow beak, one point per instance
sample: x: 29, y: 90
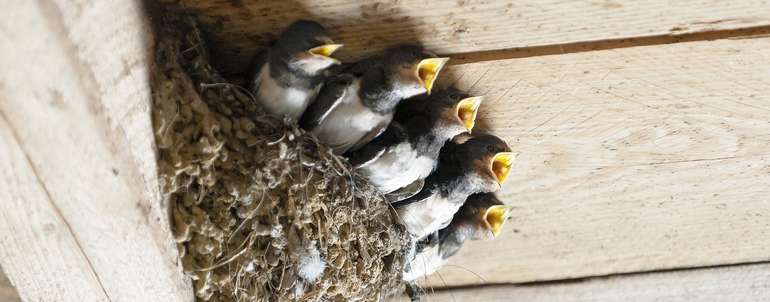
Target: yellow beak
x: 325, y: 50
x: 495, y: 217
x: 428, y: 70
x: 501, y: 165
x: 467, y: 110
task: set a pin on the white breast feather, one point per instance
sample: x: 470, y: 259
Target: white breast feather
x: 349, y: 122
x: 397, y: 168
x: 427, y: 216
x: 281, y: 101
x: 425, y: 263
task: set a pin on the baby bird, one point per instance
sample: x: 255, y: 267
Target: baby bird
x: 405, y: 154
x: 357, y: 105
x: 288, y: 75
x: 481, y: 218
x: 467, y: 165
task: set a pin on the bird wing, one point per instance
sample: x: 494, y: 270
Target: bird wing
x: 445, y: 236
x: 371, y: 135
x: 424, y: 194
x: 259, y: 60
x: 394, y: 134
x: 406, y: 192
x: 430, y: 241
x: 424, y: 263
x: 328, y: 99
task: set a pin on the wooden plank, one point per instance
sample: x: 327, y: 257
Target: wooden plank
x: 459, y: 26
x: 635, y: 159
x: 7, y: 291
x: 747, y: 283
x: 82, y: 218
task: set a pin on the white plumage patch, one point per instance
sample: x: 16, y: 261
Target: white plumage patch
x: 311, y: 265
x: 397, y: 168
x: 427, y: 216
x: 427, y: 262
x: 281, y: 101
x: 349, y: 122
x: 435, y: 212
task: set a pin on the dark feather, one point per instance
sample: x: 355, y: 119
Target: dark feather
x: 371, y: 135
x: 359, y: 68
x: 328, y: 98
x: 428, y: 242
x: 394, y: 134
x: 425, y: 193
x: 407, y: 191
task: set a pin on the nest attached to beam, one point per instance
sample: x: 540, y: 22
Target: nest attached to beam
x: 249, y: 195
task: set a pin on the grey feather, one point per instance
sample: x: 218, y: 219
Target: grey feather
x: 372, y: 151
x: 406, y: 192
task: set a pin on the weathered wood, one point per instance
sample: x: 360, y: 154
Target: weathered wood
x: 82, y: 218
x: 747, y: 283
x: 631, y: 160
x: 451, y: 26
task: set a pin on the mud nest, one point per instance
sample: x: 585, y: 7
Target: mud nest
x: 251, y: 198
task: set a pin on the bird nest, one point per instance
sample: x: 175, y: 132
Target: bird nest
x: 253, y: 200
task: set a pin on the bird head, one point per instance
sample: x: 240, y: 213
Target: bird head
x: 484, y: 214
x: 412, y: 69
x: 457, y: 110
x: 488, y: 157
x: 481, y: 217
x: 308, y: 47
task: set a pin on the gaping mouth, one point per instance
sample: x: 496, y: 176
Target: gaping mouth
x: 427, y: 71
x: 325, y: 50
x: 466, y: 111
x: 495, y: 217
x: 501, y: 165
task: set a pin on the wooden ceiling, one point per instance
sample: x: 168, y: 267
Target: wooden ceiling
x: 643, y: 129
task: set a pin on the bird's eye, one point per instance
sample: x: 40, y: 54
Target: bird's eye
x: 491, y: 149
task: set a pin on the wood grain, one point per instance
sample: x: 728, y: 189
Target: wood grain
x: 82, y: 218
x: 630, y: 160
x: 459, y: 26
x: 744, y: 283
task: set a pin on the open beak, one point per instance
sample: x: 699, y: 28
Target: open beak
x: 427, y: 71
x: 325, y: 50
x: 495, y: 217
x: 501, y: 165
x: 466, y: 111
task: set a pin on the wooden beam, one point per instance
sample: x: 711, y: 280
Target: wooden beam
x: 735, y: 283
x: 81, y: 214
x: 631, y: 160
x: 451, y: 26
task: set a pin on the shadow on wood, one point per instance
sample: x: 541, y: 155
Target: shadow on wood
x: 254, y: 24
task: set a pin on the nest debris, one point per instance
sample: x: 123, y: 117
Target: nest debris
x: 249, y: 195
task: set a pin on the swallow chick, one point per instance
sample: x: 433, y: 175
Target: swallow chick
x: 407, y: 152
x: 467, y: 165
x: 289, y: 74
x: 482, y: 217
x: 357, y: 105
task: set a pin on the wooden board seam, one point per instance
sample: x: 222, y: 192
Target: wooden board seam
x: 606, y: 44
x: 597, y: 277
x: 53, y: 204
